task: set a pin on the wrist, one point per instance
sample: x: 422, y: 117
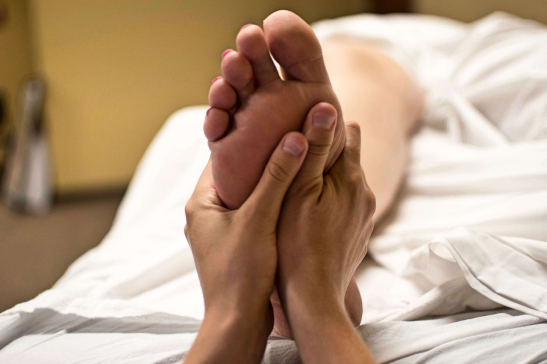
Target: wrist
x: 306, y: 304
x: 246, y: 315
x: 309, y: 302
x: 232, y: 336
x: 236, y: 299
x: 322, y: 328
x: 312, y: 293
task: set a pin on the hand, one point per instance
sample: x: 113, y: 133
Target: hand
x: 326, y: 220
x: 323, y: 232
x: 236, y: 258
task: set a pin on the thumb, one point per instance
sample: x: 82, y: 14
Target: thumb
x: 284, y: 164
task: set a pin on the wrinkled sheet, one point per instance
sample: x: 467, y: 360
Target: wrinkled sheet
x: 459, y: 268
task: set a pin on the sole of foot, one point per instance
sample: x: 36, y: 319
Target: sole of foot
x: 253, y: 105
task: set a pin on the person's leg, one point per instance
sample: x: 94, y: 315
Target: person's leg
x: 377, y: 93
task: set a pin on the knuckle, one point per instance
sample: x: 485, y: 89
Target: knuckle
x: 191, y: 212
x: 353, y: 144
x: 319, y: 148
x: 364, y: 251
x: 358, y: 187
x: 278, y: 171
x: 306, y: 189
x: 353, y: 126
x: 187, y: 233
x: 356, y: 182
x: 370, y: 199
x: 189, y: 209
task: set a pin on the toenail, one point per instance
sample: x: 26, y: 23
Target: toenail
x: 322, y: 120
x: 226, y: 52
x: 245, y: 26
x: 215, y: 79
x: 207, y: 112
x: 293, y: 146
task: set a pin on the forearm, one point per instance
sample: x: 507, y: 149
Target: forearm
x: 237, y: 337
x: 322, y: 330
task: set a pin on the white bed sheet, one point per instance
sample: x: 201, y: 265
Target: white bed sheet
x: 469, y: 232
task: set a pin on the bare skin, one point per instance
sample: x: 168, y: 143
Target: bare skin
x: 372, y: 89
x: 385, y: 102
x: 237, y: 265
x: 320, y: 247
x: 236, y: 259
x: 379, y: 95
x: 252, y: 108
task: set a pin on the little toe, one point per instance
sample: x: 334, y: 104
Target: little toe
x: 237, y: 71
x: 222, y: 95
x: 252, y: 44
x: 216, y: 125
x: 295, y: 47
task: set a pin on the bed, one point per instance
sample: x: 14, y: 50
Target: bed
x: 456, y: 273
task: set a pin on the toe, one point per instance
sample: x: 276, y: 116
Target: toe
x: 222, y: 95
x: 237, y: 71
x: 295, y: 47
x: 252, y: 44
x: 216, y: 124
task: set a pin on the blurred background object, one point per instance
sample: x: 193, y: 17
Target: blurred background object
x: 3, y: 131
x: 3, y: 13
x: 391, y: 6
x: 15, y: 59
x: 26, y: 186
x: 115, y: 70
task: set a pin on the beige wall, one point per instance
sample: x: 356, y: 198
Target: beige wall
x: 117, y: 69
x: 470, y: 10
x: 15, y: 63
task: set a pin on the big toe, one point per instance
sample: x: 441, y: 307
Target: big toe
x: 295, y: 47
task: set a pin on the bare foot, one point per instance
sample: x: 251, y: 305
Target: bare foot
x: 252, y: 108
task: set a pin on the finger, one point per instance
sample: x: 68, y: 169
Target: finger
x: 284, y: 164
x: 351, y: 155
x: 348, y: 163
x: 319, y: 131
x: 353, y: 142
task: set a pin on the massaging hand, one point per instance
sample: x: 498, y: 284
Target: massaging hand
x: 326, y: 220
x: 236, y: 257
x: 323, y: 231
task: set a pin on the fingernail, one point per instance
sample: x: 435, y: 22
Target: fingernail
x: 207, y: 112
x: 215, y: 79
x: 322, y: 120
x: 245, y: 26
x: 293, y: 146
x: 226, y: 52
